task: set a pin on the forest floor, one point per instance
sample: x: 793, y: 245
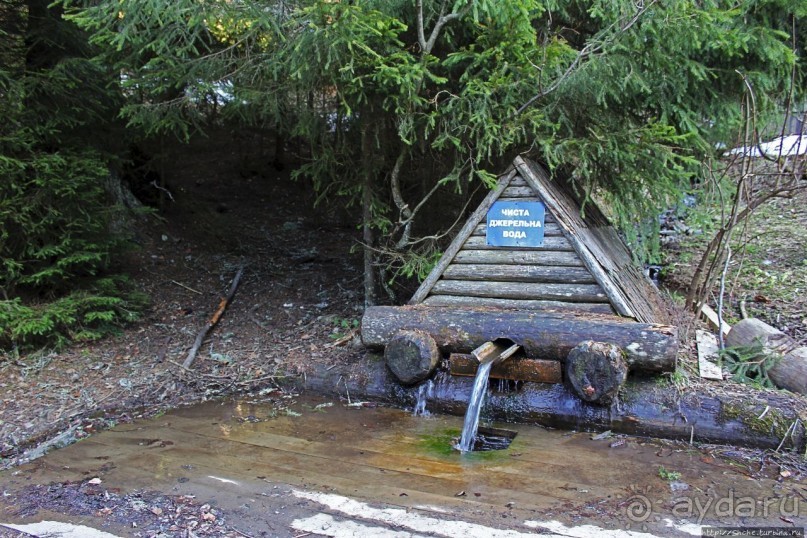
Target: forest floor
x: 299, y: 295
x: 298, y: 303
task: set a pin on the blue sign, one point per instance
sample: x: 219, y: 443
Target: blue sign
x: 516, y: 224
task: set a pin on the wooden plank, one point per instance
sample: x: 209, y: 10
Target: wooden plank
x: 713, y: 319
x: 525, y: 199
x: 707, y: 355
x: 515, y: 369
x: 519, y: 273
x: 573, y: 293
x: 519, y: 192
x: 560, y: 244
x: 551, y: 229
x: 519, y: 257
x: 466, y: 231
x: 515, y: 304
x: 518, y: 181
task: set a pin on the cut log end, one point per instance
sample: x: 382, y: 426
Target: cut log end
x: 412, y: 356
x: 596, y: 371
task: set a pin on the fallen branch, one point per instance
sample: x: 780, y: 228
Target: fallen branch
x: 213, y: 320
x: 181, y: 285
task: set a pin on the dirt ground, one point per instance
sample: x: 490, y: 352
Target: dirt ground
x: 299, y: 295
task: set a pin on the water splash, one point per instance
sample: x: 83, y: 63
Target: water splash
x: 487, y: 354
x: 471, y: 424
x: 425, y: 391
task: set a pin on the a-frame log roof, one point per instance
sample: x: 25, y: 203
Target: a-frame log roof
x: 582, y: 266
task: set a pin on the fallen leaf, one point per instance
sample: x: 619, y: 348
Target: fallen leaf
x: 785, y: 474
x: 157, y: 511
x: 94, y: 481
x: 460, y: 494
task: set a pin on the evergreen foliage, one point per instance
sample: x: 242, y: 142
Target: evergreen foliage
x: 624, y: 99
x: 56, y: 241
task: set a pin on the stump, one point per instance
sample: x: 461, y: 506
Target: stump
x: 790, y: 371
x: 596, y: 371
x: 412, y: 356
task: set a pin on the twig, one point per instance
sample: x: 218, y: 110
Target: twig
x: 213, y: 320
x: 180, y: 284
x: 784, y: 438
x: 180, y: 365
x: 767, y: 408
x: 346, y: 338
x: 156, y: 186
x: 720, y: 297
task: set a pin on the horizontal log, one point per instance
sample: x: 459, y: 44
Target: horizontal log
x: 705, y: 416
x: 544, y: 335
x: 515, y: 304
x: 519, y: 257
x: 557, y: 243
x: 518, y: 181
x: 573, y: 293
x: 514, y: 191
x: 511, y: 199
x: 519, y: 273
x: 515, y: 369
x: 551, y: 229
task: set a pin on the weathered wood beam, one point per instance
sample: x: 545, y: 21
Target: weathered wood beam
x: 519, y: 273
x: 646, y: 407
x: 543, y: 335
x: 519, y: 192
x: 551, y: 229
x: 515, y: 369
x: 515, y: 304
x: 519, y: 257
x: 573, y: 293
x: 556, y: 243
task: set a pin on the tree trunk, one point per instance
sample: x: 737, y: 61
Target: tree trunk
x: 548, y: 335
x: 595, y: 371
x: 790, y: 372
x: 412, y: 356
x: 367, y: 230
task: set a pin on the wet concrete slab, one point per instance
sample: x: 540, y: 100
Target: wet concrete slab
x: 267, y: 466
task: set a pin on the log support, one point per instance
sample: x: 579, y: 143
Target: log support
x: 412, y: 356
x: 546, y: 335
x: 595, y: 371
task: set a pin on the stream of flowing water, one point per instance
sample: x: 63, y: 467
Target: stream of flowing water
x: 471, y: 424
x: 425, y: 391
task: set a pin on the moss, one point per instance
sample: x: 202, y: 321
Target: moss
x: 772, y: 423
x: 442, y: 444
